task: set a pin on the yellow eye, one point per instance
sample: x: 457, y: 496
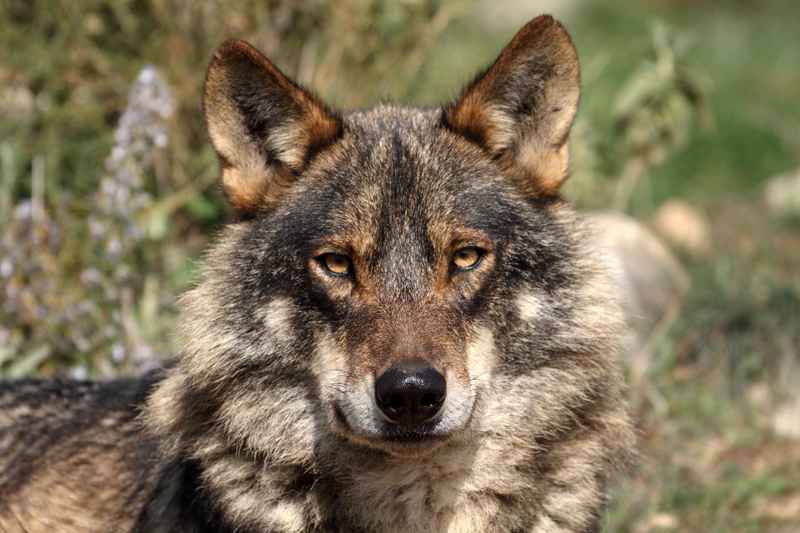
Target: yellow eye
x: 466, y: 257
x: 336, y: 264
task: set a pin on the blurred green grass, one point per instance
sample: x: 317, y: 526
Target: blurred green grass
x: 750, y: 51
x: 712, y: 460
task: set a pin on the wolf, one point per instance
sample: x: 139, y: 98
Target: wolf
x: 403, y: 328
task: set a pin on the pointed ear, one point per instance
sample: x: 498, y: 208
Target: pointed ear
x: 264, y: 127
x: 520, y: 111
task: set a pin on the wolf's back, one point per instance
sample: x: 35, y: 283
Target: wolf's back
x: 67, y: 445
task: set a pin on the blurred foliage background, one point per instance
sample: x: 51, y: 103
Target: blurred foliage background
x: 108, y: 195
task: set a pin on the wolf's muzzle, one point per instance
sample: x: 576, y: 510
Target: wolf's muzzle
x: 410, y: 393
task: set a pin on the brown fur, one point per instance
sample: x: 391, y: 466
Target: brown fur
x: 255, y: 174
x: 271, y: 419
x: 523, y: 107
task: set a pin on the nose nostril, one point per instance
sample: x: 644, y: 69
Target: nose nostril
x: 395, y: 401
x: 411, y: 393
x: 428, y: 399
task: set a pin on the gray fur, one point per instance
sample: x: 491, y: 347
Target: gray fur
x: 267, y: 421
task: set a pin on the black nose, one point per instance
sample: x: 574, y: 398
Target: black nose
x: 410, y: 393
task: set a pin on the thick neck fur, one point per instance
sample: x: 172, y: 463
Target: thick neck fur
x: 495, y: 476
x: 471, y: 484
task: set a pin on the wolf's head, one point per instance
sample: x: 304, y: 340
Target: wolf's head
x: 388, y: 269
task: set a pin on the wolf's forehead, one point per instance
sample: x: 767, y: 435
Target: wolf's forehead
x: 404, y: 157
x: 393, y: 118
x: 398, y: 177
x: 394, y: 141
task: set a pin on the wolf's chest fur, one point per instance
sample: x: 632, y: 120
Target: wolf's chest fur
x: 404, y: 328
x: 478, y: 483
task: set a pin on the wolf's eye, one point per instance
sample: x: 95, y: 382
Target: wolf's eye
x: 467, y: 257
x: 336, y: 264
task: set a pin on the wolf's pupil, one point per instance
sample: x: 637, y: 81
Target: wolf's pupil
x: 466, y: 257
x: 337, y: 264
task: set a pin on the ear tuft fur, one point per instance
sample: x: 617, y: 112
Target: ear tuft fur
x: 521, y: 109
x: 264, y: 127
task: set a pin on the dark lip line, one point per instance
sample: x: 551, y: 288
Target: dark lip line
x: 398, y: 436
x: 410, y: 441
x: 411, y: 437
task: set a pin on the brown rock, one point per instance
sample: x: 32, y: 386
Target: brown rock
x: 653, y: 279
x: 782, y: 194
x: 684, y: 226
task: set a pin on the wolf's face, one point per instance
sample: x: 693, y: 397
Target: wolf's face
x: 401, y: 269
x: 385, y: 266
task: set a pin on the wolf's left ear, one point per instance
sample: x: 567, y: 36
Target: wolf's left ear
x: 520, y: 111
x: 264, y: 127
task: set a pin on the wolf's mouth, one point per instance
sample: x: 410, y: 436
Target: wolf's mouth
x: 394, y: 438
x: 410, y: 442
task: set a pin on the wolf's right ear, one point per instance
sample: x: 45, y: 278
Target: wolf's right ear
x: 520, y: 111
x: 264, y: 127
